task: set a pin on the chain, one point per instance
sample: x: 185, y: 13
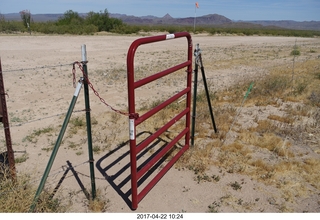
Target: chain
x: 74, y: 75
x: 80, y: 65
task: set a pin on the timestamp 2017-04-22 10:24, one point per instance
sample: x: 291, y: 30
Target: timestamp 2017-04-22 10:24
x: 160, y: 216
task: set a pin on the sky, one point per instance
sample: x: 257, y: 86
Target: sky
x: 297, y: 10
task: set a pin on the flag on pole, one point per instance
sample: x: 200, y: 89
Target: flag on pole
x: 197, y: 5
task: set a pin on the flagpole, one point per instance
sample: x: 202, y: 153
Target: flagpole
x: 195, y: 16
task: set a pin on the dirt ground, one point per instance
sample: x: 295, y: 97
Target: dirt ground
x: 38, y: 79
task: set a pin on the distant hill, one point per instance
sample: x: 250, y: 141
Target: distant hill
x: 206, y: 20
x: 304, y: 25
x: 34, y: 17
x: 212, y: 19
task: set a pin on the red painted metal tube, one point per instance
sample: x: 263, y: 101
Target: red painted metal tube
x: 141, y: 172
x: 161, y: 173
x: 130, y: 60
x: 135, y: 119
x: 160, y: 74
x: 153, y: 111
x: 155, y: 135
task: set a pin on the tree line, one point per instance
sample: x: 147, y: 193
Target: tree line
x: 72, y: 23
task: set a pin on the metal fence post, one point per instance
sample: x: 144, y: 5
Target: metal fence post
x: 5, y: 121
x: 56, y: 146
x: 194, y: 105
x: 198, y: 62
x: 88, y: 120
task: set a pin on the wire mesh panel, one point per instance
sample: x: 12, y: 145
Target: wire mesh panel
x: 143, y: 175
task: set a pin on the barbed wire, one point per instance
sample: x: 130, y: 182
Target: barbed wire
x: 238, y: 113
x: 40, y: 119
x: 60, y: 114
x: 218, y: 77
x: 36, y: 68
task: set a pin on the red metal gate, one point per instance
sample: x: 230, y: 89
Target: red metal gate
x: 135, y: 119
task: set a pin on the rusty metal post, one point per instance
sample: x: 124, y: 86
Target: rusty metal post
x: 5, y: 121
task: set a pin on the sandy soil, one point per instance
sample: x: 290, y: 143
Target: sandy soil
x: 37, y: 74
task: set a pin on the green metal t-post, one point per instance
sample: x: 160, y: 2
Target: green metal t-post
x: 88, y: 120
x: 56, y: 146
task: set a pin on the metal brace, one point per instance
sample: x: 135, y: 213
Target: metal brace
x: 197, y: 54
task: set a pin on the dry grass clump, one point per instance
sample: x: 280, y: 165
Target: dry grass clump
x: 263, y: 126
x: 17, y: 197
x: 233, y: 157
x: 284, y: 119
x: 269, y: 141
x: 197, y: 159
x: 99, y: 204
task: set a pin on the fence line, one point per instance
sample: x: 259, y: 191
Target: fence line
x: 40, y: 119
x: 95, y: 92
x: 102, y: 100
x: 70, y: 64
x: 36, y: 68
x: 59, y: 114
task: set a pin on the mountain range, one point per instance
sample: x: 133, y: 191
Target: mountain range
x: 214, y: 20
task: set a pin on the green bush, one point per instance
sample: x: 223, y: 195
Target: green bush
x: 295, y: 52
x: 11, y: 26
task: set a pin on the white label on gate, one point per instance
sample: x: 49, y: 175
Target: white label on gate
x: 131, y: 129
x: 170, y: 36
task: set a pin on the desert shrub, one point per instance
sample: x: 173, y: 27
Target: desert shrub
x: 126, y: 29
x: 295, y: 52
x: 270, y: 85
x: 102, y: 21
x: 78, y: 122
x: 315, y: 98
x: 70, y: 18
x: 11, y: 26
x: 300, y: 87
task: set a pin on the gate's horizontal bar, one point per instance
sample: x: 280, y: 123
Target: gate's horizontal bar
x: 153, y: 111
x: 163, y: 73
x: 161, y: 173
x: 143, y: 170
x: 151, y: 138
